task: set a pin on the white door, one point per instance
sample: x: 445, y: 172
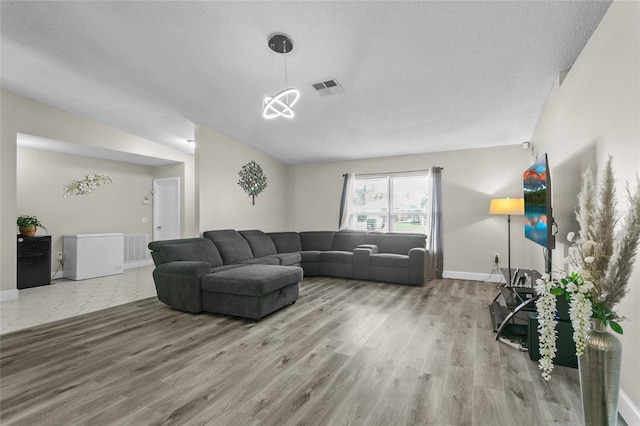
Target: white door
x: 166, y: 208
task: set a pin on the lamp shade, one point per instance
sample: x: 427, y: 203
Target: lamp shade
x: 511, y: 206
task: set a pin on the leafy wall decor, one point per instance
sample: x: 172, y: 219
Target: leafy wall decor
x: 90, y: 183
x: 252, y: 180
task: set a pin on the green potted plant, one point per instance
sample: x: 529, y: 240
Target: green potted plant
x: 28, y: 225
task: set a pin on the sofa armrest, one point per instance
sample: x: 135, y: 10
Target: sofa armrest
x: 184, y: 267
x: 361, y: 261
x: 418, y: 261
x: 178, y: 284
x: 372, y: 247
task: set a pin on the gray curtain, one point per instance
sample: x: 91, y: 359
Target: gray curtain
x: 435, y: 242
x: 345, y: 200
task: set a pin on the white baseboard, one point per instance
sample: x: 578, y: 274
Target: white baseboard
x: 473, y: 276
x: 138, y: 264
x: 628, y: 410
x: 8, y: 295
x: 57, y: 275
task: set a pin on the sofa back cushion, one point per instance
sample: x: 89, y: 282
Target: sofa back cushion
x: 401, y: 243
x: 373, y: 238
x: 260, y: 243
x: 232, y: 247
x: 316, y: 240
x: 347, y: 240
x: 193, y: 249
x: 286, y: 242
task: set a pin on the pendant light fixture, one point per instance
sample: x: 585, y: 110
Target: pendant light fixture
x: 280, y: 104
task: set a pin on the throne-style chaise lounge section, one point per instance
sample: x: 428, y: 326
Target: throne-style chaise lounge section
x: 252, y: 273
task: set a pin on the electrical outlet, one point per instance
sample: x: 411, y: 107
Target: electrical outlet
x: 496, y: 258
x: 59, y: 255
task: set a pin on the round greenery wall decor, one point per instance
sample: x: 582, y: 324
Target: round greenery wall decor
x: 252, y: 180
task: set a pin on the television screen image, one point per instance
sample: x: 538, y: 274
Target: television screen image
x: 538, y: 219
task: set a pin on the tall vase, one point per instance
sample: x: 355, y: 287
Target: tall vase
x: 599, y: 368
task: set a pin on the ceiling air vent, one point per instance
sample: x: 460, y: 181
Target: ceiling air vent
x: 328, y: 87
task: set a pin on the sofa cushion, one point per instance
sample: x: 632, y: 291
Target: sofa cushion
x: 260, y: 261
x: 316, y: 240
x: 347, y: 240
x: 260, y: 243
x: 373, y: 238
x: 390, y: 260
x: 400, y: 243
x: 232, y: 247
x: 310, y: 256
x: 336, y: 257
x: 288, y: 259
x: 226, y: 267
x: 252, y: 280
x: 199, y: 251
x: 286, y: 242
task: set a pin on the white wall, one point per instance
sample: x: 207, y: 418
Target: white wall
x: 222, y: 203
x: 23, y: 115
x: 470, y: 179
x: 115, y: 207
x: 593, y: 114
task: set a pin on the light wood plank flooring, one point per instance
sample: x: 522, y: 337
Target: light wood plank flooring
x: 348, y: 352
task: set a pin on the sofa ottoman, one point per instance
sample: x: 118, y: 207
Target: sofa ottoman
x: 252, y: 291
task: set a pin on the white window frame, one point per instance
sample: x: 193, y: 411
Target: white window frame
x: 388, y: 214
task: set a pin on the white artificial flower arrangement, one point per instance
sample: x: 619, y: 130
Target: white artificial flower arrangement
x: 90, y: 183
x: 602, y: 262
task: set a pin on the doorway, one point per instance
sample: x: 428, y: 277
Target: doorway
x: 166, y: 208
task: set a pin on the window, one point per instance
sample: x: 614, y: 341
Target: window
x: 391, y: 203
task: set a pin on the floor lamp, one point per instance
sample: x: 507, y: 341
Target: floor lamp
x: 508, y: 206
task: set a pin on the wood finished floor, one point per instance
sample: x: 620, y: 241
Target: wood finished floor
x: 348, y: 352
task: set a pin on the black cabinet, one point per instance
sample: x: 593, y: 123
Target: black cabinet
x: 34, y: 261
x: 565, y: 346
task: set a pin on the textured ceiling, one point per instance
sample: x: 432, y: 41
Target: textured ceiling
x: 417, y: 76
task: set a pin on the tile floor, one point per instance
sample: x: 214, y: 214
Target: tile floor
x: 66, y: 298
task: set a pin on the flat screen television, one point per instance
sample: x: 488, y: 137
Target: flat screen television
x: 538, y: 215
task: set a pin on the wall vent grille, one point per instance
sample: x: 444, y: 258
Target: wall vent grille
x: 329, y: 86
x: 135, y: 248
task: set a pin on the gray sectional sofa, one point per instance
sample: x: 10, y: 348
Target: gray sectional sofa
x: 252, y: 273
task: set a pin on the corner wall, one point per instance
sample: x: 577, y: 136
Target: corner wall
x: 41, y: 176
x: 222, y: 203
x: 23, y: 115
x: 593, y: 114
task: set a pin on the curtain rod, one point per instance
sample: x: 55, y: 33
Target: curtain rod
x: 391, y: 173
